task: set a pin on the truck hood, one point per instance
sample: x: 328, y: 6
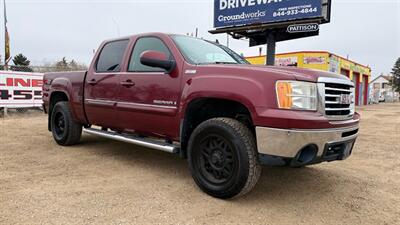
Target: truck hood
x: 290, y: 73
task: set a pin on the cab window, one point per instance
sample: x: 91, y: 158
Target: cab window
x: 111, y: 55
x: 146, y: 44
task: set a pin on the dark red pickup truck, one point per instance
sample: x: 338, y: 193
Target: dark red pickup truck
x: 204, y: 102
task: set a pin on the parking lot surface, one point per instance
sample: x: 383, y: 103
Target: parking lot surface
x: 106, y: 182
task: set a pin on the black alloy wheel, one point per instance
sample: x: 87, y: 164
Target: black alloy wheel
x: 218, y: 161
x: 59, y: 124
x: 223, y: 158
x: 65, y: 130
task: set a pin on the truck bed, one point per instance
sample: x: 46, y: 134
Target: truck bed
x: 66, y: 82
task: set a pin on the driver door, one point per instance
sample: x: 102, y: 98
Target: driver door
x: 148, y: 97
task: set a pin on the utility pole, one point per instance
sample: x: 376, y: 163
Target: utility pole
x: 197, y: 31
x: 271, y: 49
x: 227, y: 40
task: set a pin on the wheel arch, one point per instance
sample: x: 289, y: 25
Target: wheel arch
x: 201, y: 109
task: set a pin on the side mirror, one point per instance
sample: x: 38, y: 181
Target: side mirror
x: 157, y: 59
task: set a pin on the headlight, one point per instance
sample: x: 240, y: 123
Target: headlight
x: 296, y: 95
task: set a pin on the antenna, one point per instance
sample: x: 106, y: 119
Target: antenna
x: 117, y: 26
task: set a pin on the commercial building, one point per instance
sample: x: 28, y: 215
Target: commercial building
x: 326, y: 61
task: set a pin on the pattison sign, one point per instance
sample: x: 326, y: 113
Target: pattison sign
x: 229, y: 13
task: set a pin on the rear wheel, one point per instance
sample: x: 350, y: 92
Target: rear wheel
x: 223, y: 159
x: 65, y: 130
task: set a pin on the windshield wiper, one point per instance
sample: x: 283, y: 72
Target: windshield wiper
x: 210, y: 63
x: 226, y: 63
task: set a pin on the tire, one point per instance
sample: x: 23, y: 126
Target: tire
x: 65, y: 130
x: 223, y: 158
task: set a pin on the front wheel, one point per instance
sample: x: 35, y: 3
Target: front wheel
x: 222, y: 157
x: 65, y: 130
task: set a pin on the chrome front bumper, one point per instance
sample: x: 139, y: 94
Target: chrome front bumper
x: 288, y: 143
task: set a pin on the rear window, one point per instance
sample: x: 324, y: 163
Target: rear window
x: 111, y: 55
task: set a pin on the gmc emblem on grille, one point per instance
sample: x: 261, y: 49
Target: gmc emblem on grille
x: 345, y: 99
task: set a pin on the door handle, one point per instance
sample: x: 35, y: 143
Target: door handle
x: 92, y: 82
x: 127, y: 83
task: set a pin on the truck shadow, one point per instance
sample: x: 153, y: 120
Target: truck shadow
x: 282, y: 184
x: 136, y: 156
x: 275, y: 184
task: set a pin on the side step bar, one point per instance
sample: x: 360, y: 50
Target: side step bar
x: 134, y: 140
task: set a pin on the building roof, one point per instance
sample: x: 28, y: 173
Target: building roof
x: 386, y: 77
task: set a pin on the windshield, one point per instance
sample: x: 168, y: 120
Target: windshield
x: 198, y: 51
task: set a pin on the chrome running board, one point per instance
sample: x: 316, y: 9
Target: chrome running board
x: 144, y: 142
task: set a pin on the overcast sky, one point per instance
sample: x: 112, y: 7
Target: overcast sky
x: 46, y: 30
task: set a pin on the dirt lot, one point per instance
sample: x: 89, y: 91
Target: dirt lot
x: 106, y: 182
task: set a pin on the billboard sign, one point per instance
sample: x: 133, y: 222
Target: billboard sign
x: 286, y: 61
x: 315, y: 60
x: 334, y: 65
x: 20, y: 89
x: 230, y: 13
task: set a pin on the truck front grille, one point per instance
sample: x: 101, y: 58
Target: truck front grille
x: 332, y: 92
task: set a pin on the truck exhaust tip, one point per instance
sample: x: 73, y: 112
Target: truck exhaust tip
x: 306, y: 155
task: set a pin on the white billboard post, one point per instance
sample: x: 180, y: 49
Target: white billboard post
x: 20, y: 90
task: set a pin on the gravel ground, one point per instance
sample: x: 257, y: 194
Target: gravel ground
x: 106, y: 182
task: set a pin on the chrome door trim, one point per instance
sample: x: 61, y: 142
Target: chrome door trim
x: 147, y: 105
x: 107, y: 102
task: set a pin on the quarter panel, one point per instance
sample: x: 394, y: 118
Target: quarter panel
x: 71, y: 84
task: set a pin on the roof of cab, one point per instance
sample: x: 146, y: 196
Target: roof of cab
x: 159, y: 34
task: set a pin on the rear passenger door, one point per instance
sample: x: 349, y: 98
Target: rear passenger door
x: 150, y: 104
x: 102, y: 84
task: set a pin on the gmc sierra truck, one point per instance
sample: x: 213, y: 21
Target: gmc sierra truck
x: 204, y: 102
